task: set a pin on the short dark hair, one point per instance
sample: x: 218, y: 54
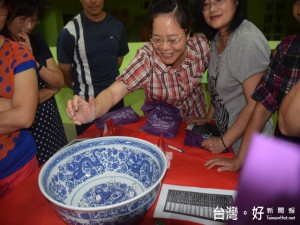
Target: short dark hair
x: 26, y: 8
x: 179, y: 9
x: 239, y: 16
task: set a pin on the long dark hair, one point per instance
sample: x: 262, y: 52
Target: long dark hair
x: 26, y: 8
x: 179, y: 9
x: 202, y: 26
x: 5, y: 2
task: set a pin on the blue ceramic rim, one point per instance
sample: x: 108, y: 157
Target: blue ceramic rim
x: 102, y: 208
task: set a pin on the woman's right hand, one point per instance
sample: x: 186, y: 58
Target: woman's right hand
x: 24, y: 39
x: 224, y: 164
x: 81, y: 111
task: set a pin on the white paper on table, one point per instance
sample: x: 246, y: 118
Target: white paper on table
x: 186, y: 211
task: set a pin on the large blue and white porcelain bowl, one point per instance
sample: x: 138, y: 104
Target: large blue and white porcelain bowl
x: 107, y: 180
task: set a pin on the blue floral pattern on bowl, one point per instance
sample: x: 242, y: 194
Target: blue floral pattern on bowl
x: 107, y: 180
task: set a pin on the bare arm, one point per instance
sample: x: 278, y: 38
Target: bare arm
x: 289, y: 112
x: 66, y: 71
x: 81, y: 111
x: 5, y: 104
x: 256, y: 123
x: 110, y: 97
x: 52, y: 75
x: 237, y: 129
x: 50, y: 72
x: 24, y: 103
x: 46, y: 93
x: 215, y: 145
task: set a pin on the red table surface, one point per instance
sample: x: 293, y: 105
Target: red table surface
x: 26, y: 205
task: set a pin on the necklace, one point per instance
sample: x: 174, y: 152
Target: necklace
x: 221, y: 44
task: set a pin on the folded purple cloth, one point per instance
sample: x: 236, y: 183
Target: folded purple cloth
x: 120, y: 116
x: 193, y: 139
x: 162, y: 118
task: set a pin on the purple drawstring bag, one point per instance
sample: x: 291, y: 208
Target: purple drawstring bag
x: 193, y: 139
x: 162, y: 118
x: 120, y: 116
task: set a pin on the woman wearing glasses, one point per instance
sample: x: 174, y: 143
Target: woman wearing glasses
x: 239, y: 57
x: 169, y: 67
x: 47, y: 129
x: 18, y: 103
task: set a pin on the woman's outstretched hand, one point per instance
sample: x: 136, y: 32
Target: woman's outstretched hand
x: 224, y: 164
x: 81, y: 111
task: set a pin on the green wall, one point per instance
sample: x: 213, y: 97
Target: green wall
x: 50, y: 26
x: 132, y: 13
x: 52, y: 22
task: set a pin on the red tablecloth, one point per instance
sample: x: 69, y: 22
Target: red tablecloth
x: 25, y: 205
